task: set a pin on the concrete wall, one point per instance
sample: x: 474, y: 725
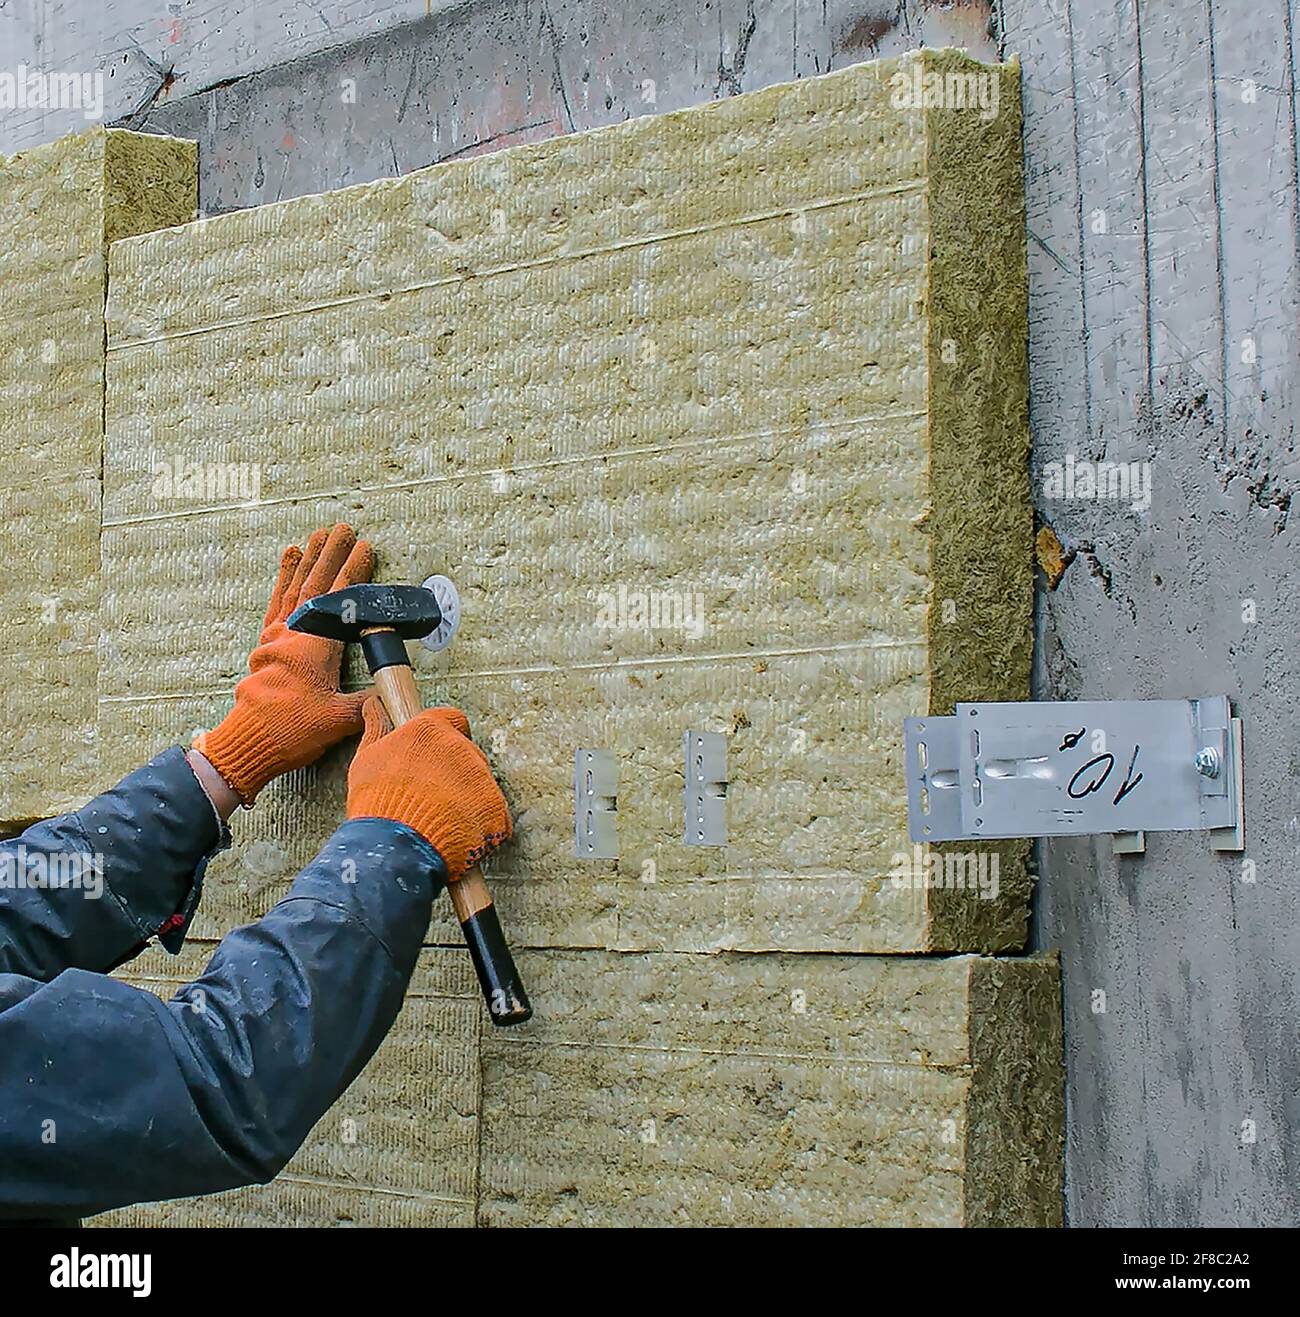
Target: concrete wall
x: 1161, y: 178
x: 1162, y: 201
x: 137, y: 53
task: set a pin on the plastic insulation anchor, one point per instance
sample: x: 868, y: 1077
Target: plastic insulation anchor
x: 448, y: 597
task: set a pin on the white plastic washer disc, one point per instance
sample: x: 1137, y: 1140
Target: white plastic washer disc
x: 449, y: 604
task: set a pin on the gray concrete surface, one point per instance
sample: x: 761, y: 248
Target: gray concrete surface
x: 145, y: 52
x: 1162, y: 207
x: 1161, y: 187
x: 480, y: 77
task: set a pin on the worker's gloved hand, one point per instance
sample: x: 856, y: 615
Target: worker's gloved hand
x: 289, y: 710
x: 429, y: 775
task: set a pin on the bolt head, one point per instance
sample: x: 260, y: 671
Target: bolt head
x: 1207, y: 762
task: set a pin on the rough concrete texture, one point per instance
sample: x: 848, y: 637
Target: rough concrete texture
x: 660, y: 1089
x: 1160, y: 160
x: 60, y: 206
x: 763, y: 362
x: 482, y: 76
x: 129, y: 55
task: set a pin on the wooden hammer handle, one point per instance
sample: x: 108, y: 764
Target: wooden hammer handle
x: 470, y: 898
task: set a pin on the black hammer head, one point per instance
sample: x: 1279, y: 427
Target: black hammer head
x: 409, y: 610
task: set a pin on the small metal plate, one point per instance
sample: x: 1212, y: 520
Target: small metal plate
x: 933, y: 787
x: 595, y: 804
x: 1068, y: 768
x: 1128, y: 843
x: 704, y: 757
x: 1233, y: 837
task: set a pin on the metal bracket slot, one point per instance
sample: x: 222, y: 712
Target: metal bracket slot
x: 1232, y: 836
x: 933, y: 787
x: 705, y: 764
x: 1074, y: 768
x: 595, y: 804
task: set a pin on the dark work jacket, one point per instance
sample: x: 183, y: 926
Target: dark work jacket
x: 109, y: 1096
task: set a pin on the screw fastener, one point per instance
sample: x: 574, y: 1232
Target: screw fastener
x: 1207, y: 762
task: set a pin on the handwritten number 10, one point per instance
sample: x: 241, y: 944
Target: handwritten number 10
x: 1096, y: 780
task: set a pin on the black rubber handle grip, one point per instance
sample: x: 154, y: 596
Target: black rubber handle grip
x: 507, y: 1002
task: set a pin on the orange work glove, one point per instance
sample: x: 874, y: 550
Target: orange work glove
x: 289, y: 710
x: 429, y: 775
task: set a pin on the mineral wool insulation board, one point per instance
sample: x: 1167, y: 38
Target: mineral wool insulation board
x: 763, y: 362
x: 717, y: 420
x: 60, y: 206
x: 668, y: 1088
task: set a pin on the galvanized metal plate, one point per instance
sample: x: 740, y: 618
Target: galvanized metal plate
x: 595, y: 804
x: 704, y: 756
x: 1069, y: 768
x: 933, y: 786
x: 1233, y: 837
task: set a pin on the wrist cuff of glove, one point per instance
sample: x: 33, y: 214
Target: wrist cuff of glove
x: 451, y: 837
x: 242, y: 753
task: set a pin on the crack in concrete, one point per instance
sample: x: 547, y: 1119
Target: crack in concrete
x: 732, y: 77
x: 548, y: 22
x: 166, y: 76
x: 495, y: 137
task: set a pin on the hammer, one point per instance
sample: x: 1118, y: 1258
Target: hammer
x: 382, y: 618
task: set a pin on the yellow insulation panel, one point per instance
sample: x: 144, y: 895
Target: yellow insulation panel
x: 60, y: 207
x: 675, y: 1089
x: 717, y: 420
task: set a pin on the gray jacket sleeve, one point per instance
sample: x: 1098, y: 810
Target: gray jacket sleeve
x: 87, y: 890
x: 109, y: 1096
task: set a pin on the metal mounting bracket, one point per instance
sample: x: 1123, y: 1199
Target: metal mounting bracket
x: 1074, y: 768
x: 704, y: 757
x: 595, y: 804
